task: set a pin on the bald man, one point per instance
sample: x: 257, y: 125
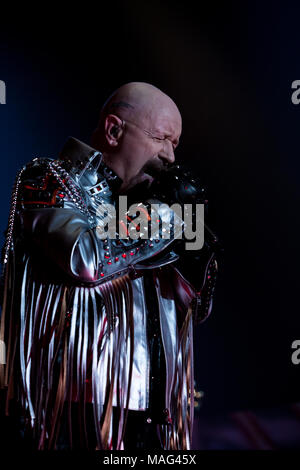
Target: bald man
x: 138, y: 132
x: 99, y: 330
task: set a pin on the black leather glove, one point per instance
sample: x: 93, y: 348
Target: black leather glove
x: 178, y: 184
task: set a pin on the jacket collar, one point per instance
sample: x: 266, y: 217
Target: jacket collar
x: 86, y: 164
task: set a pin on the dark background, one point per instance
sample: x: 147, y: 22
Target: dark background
x: 229, y: 67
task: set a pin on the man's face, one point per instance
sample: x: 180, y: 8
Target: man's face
x: 149, y: 143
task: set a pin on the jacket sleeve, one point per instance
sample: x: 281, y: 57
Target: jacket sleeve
x: 63, y: 234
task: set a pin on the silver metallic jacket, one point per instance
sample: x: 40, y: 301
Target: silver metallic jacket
x: 74, y: 310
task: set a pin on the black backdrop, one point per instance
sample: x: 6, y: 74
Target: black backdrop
x: 229, y: 67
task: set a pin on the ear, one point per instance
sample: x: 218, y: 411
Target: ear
x: 113, y: 127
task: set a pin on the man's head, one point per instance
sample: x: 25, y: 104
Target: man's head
x: 138, y: 131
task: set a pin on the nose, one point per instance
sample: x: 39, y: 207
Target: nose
x: 168, y: 153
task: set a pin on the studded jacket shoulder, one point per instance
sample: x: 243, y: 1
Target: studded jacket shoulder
x: 56, y: 218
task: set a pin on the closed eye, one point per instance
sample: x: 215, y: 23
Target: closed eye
x: 174, y: 143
